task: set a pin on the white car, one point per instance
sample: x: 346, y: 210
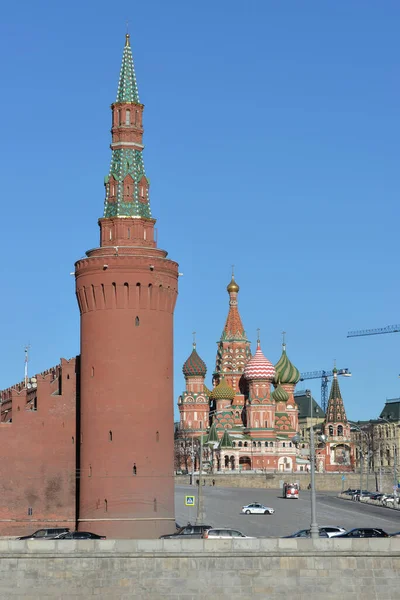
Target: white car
x: 257, y: 509
x: 224, y: 534
x: 332, y: 531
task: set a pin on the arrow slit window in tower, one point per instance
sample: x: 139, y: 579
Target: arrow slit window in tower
x: 128, y: 117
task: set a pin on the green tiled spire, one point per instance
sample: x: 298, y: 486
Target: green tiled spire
x: 127, y: 187
x: 127, y: 86
x: 226, y: 441
x: 212, y: 435
x: 335, y: 412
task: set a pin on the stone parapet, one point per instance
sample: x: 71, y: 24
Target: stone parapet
x: 325, y: 482
x: 197, y: 569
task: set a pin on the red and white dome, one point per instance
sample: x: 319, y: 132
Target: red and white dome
x: 259, y: 367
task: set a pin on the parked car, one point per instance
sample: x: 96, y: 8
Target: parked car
x: 190, y: 531
x: 79, y: 535
x: 364, y: 532
x: 257, y: 509
x: 306, y: 533
x: 332, y: 531
x: 389, y: 500
x: 396, y: 534
x: 44, y: 534
x: 224, y: 534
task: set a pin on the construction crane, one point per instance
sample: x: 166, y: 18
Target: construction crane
x: 379, y: 331
x: 324, y: 376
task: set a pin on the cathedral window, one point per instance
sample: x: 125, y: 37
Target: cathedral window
x: 90, y: 470
x: 340, y: 430
x: 105, y: 504
x: 128, y: 117
x: 284, y: 445
x: 134, y: 470
x: 157, y: 436
x: 110, y: 436
x: 240, y: 444
x: 155, y: 504
x: 271, y: 444
x: 137, y: 322
x: 30, y: 512
x: 330, y: 430
x: 245, y: 444
x: 266, y: 444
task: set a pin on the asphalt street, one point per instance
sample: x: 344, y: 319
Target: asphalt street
x: 223, y: 505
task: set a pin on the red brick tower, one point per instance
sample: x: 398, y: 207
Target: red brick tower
x: 338, y: 453
x: 126, y: 290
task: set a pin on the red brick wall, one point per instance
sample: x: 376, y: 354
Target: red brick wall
x: 38, y: 455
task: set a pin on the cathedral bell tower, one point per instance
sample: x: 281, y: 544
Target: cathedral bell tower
x: 126, y: 290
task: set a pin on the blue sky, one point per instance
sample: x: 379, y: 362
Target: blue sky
x: 272, y: 143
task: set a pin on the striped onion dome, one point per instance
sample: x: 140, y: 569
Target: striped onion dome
x: 286, y: 372
x: 222, y: 391
x: 280, y: 395
x: 259, y: 367
x: 194, y: 366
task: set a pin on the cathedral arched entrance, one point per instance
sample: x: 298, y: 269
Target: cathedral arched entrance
x: 245, y: 463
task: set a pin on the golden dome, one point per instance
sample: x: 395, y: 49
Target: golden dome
x: 233, y: 286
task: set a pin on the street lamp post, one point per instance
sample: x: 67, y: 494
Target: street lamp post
x: 200, y: 497
x: 314, y: 531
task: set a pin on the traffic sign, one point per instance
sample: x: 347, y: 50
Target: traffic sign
x: 343, y: 478
x: 190, y: 500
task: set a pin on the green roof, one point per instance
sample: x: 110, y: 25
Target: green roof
x: 212, y: 435
x: 303, y: 404
x: 226, y: 441
x: 391, y: 410
x: 127, y: 85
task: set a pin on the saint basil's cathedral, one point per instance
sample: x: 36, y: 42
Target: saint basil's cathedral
x: 250, y: 417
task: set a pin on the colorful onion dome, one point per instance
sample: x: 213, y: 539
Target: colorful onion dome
x: 222, y: 391
x: 286, y: 372
x: 232, y: 286
x: 259, y: 367
x: 206, y: 391
x: 280, y: 395
x: 194, y: 366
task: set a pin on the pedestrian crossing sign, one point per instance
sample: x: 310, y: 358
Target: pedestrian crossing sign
x: 189, y: 500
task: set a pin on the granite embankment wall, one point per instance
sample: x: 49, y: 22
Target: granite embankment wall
x: 325, y: 482
x: 201, y: 569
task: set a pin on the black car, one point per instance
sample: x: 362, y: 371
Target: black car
x: 363, y: 532
x: 190, y: 531
x: 45, y: 534
x: 79, y: 535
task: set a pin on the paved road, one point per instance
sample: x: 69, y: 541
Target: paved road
x: 222, y: 508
